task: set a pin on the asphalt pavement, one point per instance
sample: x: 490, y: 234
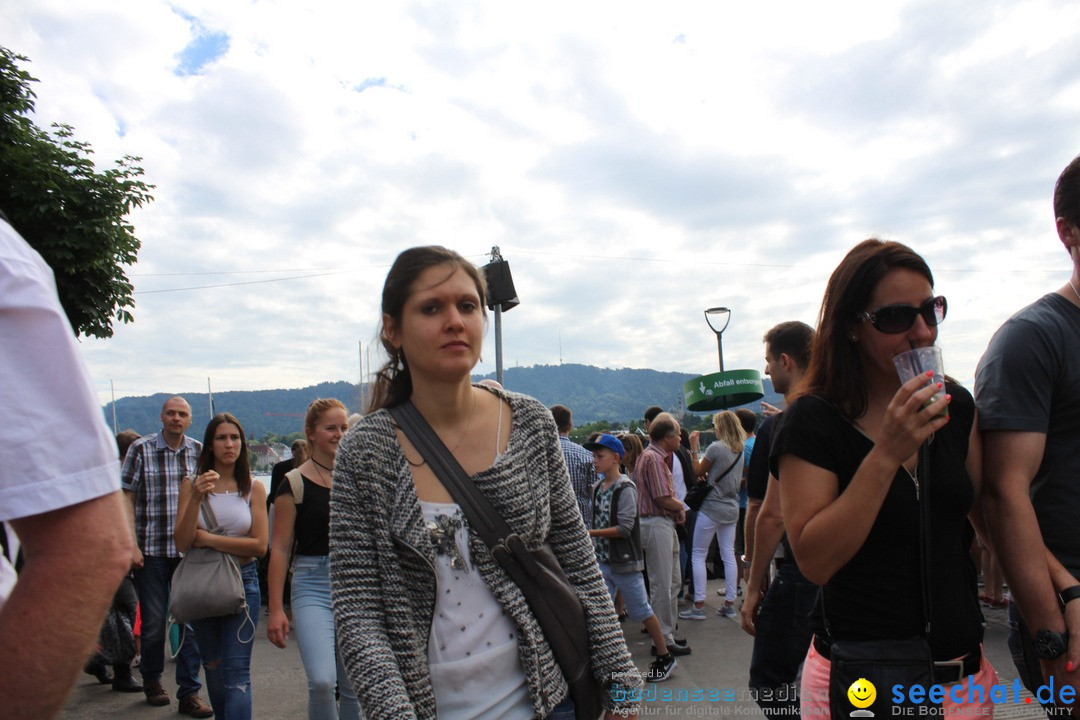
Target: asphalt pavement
x: 720, y: 658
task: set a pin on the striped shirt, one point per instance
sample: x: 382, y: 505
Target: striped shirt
x: 153, y: 471
x: 653, y: 478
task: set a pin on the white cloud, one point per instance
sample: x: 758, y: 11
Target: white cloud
x: 636, y: 164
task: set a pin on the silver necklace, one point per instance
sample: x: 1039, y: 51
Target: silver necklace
x: 1077, y: 294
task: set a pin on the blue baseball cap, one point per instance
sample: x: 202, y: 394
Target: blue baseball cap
x: 608, y: 442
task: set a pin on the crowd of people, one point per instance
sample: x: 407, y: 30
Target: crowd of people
x: 837, y: 498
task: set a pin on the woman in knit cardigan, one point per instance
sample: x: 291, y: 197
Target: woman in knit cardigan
x: 429, y: 624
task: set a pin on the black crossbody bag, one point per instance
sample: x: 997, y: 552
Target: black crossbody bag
x: 696, y: 494
x: 537, y: 572
x: 885, y: 663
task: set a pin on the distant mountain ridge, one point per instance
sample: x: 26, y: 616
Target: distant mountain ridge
x: 592, y: 393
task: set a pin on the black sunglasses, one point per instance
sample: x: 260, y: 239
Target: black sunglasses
x: 894, y: 319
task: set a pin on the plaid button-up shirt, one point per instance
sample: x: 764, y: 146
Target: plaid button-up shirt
x: 579, y: 463
x: 153, y: 471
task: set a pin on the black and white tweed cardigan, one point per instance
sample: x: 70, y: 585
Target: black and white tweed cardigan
x: 382, y: 566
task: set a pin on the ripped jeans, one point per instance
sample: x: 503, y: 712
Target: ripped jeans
x: 226, y: 644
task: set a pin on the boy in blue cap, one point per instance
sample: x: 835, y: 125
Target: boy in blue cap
x: 617, y: 537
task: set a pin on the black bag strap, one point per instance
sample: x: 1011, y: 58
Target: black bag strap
x: 729, y: 467
x: 207, y: 512
x: 478, y: 510
x: 718, y: 477
x: 922, y: 477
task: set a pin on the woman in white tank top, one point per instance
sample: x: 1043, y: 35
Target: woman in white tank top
x: 223, y: 480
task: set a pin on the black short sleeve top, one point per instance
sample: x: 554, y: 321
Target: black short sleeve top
x: 312, y: 529
x: 877, y: 594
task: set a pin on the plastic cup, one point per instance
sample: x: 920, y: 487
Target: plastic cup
x: 919, y: 361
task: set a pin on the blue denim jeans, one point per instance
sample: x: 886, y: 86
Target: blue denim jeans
x: 635, y: 596
x: 153, y: 581
x: 562, y: 711
x: 781, y: 640
x: 313, y: 618
x: 226, y: 644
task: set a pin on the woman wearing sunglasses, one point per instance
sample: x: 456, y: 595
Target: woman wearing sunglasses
x: 846, y: 454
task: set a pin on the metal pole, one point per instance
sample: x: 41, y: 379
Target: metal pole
x: 720, y: 349
x: 112, y: 391
x: 498, y: 344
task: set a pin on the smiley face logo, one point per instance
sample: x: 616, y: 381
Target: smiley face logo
x: 862, y: 693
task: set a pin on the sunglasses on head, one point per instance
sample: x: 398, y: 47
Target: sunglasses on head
x: 894, y: 319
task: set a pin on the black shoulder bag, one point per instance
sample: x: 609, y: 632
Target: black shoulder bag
x: 884, y: 663
x: 546, y: 588
x: 696, y: 493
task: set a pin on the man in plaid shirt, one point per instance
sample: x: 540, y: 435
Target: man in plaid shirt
x: 579, y: 462
x: 153, y: 470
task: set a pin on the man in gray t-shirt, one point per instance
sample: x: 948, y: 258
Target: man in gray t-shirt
x: 1027, y: 389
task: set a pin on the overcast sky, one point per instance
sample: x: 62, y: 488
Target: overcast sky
x: 635, y: 162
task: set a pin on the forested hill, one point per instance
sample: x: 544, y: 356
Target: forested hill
x: 260, y: 411
x: 592, y: 393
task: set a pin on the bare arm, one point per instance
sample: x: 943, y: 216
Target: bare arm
x: 826, y: 527
x: 187, y: 514
x: 277, y: 624
x: 1010, y: 461
x: 973, y: 465
x: 768, y: 534
x: 701, y: 467
x: 129, y: 509
x: 753, y: 507
x: 75, y: 559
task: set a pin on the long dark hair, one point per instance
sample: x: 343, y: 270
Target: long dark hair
x: 393, y: 384
x: 242, y: 467
x: 835, y: 371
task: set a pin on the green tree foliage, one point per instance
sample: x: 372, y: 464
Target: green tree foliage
x: 71, y: 213
x: 581, y: 432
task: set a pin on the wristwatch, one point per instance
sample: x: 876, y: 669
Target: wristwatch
x: 1050, y: 645
x: 1069, y: 594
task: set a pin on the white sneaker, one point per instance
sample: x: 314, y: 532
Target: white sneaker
x: 692, y: 613
x: 726, y: 610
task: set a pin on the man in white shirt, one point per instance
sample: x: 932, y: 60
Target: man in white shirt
x: 59, y: 491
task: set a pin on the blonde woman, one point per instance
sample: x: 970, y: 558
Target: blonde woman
x: 719, y: 514
x: 634, y: 448
x: 302, y: 531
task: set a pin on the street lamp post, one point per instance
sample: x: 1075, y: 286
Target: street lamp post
x: 718, y: 319
x: 501, y: 297
x: 724, y: 389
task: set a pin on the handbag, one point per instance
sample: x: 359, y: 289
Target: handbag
x: 207, y: 582
x: 117, y: 638
x: 884, y: 663
x: 695, y: 495
x: 537, y: 572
